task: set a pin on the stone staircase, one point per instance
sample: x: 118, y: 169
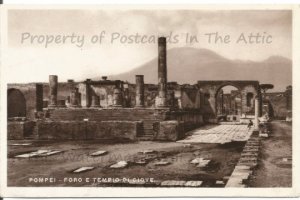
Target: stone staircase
x: 149, y: 129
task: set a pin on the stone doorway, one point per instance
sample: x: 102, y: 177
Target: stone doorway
x: 16, y: 103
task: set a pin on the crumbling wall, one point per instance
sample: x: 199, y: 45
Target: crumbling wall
x: 278, y: 105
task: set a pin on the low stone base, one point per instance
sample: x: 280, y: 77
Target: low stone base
x: 80, y: 130
x: 17, y: 130
x: 170, y: 131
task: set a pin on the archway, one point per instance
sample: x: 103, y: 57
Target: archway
x: 228, y: 103
x: 16, y: 103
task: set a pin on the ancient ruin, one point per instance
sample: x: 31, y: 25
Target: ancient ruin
x: 116, y: 109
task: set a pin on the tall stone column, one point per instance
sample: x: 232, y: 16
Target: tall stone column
x: 139, y: 97
x: 117, y: 95
x: 53, y: 85
x: 39, y: 97
x: 256, y: 114
x: 95, y: 101
x: 88, y: 93
x: 75, y: 98
x: 161, y: 100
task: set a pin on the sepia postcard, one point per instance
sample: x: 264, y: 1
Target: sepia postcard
x: 150, y: 101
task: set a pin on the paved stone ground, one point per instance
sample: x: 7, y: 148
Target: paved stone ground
x: 219, y: 134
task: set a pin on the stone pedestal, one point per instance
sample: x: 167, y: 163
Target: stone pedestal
x: 53, y: 85
x: 139, y: 87
x: 161, y: 100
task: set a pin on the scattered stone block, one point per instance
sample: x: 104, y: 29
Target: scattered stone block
x: 148, y: 151
x: 193, y: 183
x: 204, y: 163
x: 120, y: 164
x: 265, y: 135
x: 24, y: 144
x: 242, y: 167
x: 38, y: 153
x: 140, y: 162
x: 83, y: 169
x: 173, y: 183
x: 200, y: 161
x: 162, y: 163
x: 219, y: 182
x: 98, y: 153
x: 49, y: 153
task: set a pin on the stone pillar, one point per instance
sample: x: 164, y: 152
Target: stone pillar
x: 53, y: 85
x: 139, y: 87
x: 75, y: 98
x: 126, y: 99
x: 256, y: 115
x: 117, y: 96
x: 39, y: 97
x: 161, y: 100
x: 95, y: 101
x: 88, y: 92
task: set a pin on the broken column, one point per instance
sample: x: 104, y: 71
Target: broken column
x: 256, y: 115
x: 95, y: 101
x: 39, y: 97
x: 75, y: 98
x: 117, y: 95
x: 53, y: 85
x: 161, y: 100
x: 139, y: 97
x: 87, y: 93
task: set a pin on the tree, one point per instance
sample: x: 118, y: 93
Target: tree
x: 265, y: 87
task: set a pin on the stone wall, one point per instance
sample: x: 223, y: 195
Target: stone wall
x: 105, y: 114
x: 170, y: 131
x: 18, y: 130
x: 74, y: 130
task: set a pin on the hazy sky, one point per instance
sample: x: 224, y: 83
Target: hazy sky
x: 31, y: 62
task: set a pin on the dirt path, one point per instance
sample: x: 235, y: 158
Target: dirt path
x: 275, y: 168
x: 223, y: 159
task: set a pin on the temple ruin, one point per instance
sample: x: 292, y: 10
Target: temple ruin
x: 116, y: 109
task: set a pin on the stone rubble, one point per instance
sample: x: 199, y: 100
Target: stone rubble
x: 120, y: 164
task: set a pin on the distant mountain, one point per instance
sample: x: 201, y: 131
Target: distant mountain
x: 188, y: 65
